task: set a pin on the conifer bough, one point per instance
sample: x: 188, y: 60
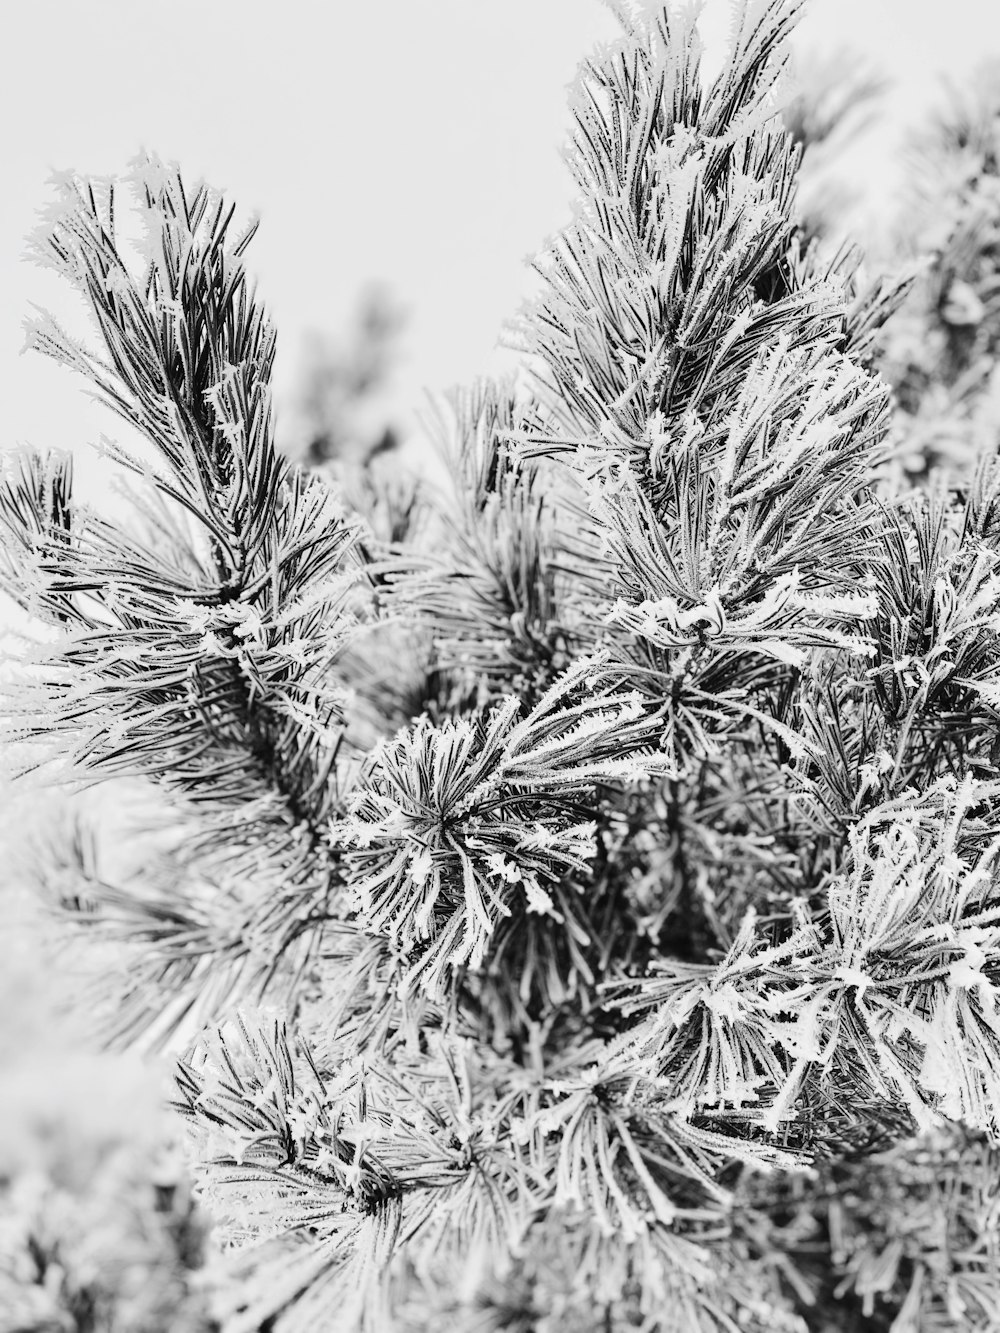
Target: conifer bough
x: 574, y: 892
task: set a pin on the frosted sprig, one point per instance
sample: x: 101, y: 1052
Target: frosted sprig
x: 454, y: 825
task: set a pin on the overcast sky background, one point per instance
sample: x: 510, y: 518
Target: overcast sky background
x: 410, y: 142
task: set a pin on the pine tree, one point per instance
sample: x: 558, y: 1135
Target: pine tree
x: 577, y: 892
x: 338, y: 400
x: 940, y: 353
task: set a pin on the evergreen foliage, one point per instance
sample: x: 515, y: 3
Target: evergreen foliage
x: 941, y: 352
x: 342, y: 384
x: 102, y: 1240
x: 577, y: 893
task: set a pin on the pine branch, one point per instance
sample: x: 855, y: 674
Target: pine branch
x: 200, y: 649
x: 447, y: 820
x: 499, y: 589
x: 621, y: 833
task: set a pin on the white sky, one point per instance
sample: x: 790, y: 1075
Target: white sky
x: 413, y: 142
